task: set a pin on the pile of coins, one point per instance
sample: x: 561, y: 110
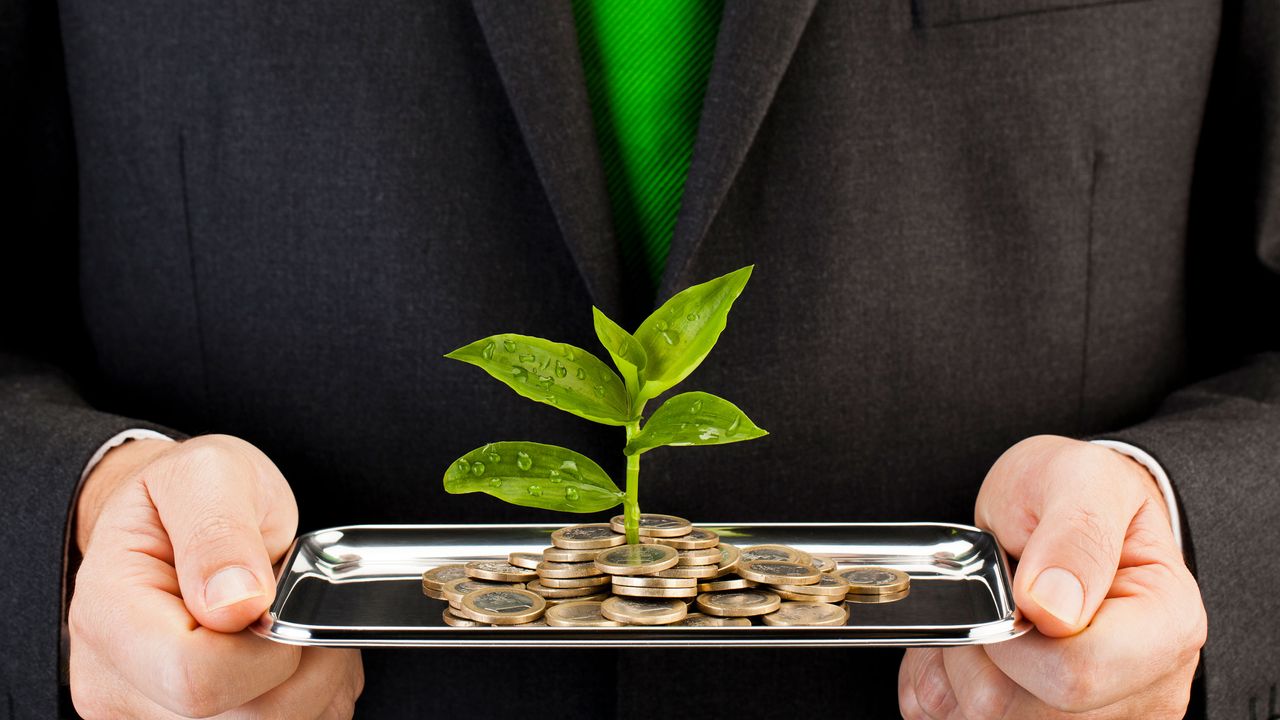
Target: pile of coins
x: 590, y: 577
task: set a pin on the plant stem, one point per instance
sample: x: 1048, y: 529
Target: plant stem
x: 631, y: 504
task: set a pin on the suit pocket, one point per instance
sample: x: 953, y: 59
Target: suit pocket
x: 942, y: 13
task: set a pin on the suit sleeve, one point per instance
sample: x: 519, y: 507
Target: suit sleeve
x: 1219, y: 439
x: 48, y: 430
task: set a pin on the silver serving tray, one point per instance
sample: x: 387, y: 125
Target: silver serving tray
x: 361, y: 586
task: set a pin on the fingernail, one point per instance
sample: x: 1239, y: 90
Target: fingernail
x: 229, y: 586
x: 1061, y: 593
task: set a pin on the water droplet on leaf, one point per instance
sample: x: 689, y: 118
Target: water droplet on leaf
x: 523, y: 461
x: 561, y: 370
x: 477, y: 468
x: 545, y: 381
x: 567, y: 352
x: 671, y: 337
x: 535, y: 490
x: 555, y: 476
x: 691, y: 317
x: 494, y: 457
x: 518, y: 371
x: 487, y: 352
x: 734, y: 425
x: 463, y: 466
x: 510, y: 346
x: 599, y: 390
x: 526, y: 357
x: 582, y: 374
x: 571, y: 493
x: 696, y: 406
x: 660, y: 325
x: 495, y: 482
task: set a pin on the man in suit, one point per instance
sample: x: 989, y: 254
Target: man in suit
x: 984, y: 234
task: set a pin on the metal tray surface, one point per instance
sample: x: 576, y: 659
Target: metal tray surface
x: 361, y: 586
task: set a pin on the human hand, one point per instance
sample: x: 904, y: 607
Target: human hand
x: 1119, y: 620
x: 178, y: 541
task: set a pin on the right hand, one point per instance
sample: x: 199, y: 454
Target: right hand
x: 178, y: 542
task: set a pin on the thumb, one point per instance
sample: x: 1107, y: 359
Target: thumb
x: 1070, y: 559
x: 209, y: 497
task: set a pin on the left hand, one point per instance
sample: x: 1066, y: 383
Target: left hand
x: 1119, y: 620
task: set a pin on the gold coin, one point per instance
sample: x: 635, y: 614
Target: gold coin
x: 526, y: 560
x: 596, y: 597
x: 827, y: 586
x: 739, y: 603
x: 555, y: 554
x: 776, y: 553
x: 864, y: 599
x: 636, y: 559
x: 700, y: 620
x: 655, y: 592
x: 586, y: 582
x: 548, y: 569
x: 806, y: 598
x: 503, y: 607
x: 640, y: 611
x: 698, y: 572
x: 730, y: 556
x: 706, y: 556
x: 655, y: 525
x: 697, y: 539
x: 807, y: 614
x: 591, y: 536
x: 653, y: 582
x: 433, y: 593
x: 436, y: 577
x: 559, y: 593
x: 824, y: 563
x: 499, y: 570
x: 455, y: 589
x: 456, y: 620
x: 875, y: 580
x: 578, y: 613
x: 777, y: 572
x: 726, y: 582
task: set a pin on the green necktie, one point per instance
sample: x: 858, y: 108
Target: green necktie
x: 646, y: 64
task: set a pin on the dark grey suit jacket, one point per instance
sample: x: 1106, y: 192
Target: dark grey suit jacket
x: 972, y: 221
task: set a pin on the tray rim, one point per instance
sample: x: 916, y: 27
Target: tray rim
x: 291, y: 633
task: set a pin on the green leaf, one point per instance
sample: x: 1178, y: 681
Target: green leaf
x: 678, y: 335
x: 694, y: 418
x: 558, y: 374
x: 534, y: 475
x: 625, y: 350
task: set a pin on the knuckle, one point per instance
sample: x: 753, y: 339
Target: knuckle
x: 1093, y: 539
x: 189, y: 692
x: 933, y: 692
x: 1077, y: 685
x: 986, y: 701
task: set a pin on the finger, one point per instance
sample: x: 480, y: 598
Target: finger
x: 1151, y: 626
x: 982, y: 690
x: 128, y: 606
x: 1071, y: 556
x: 327, y: 683
x: 929, y: 683
x: 908, y: 705
x: 215, y: 499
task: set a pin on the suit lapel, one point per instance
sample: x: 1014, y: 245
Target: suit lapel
x: 754, y: 47
x: 535, y: 48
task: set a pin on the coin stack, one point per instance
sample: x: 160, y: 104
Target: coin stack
x: 590, y: 577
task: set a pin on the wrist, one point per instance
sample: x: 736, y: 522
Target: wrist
x: 113, y: 470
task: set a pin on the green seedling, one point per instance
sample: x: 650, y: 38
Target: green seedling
x: 666, y: 347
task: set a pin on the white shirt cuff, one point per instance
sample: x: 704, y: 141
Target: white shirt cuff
x: 1153, y: 467
x: 115, y: 442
